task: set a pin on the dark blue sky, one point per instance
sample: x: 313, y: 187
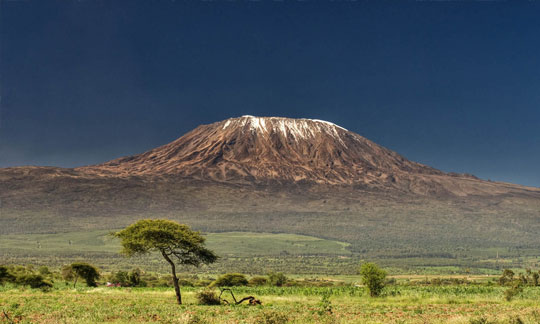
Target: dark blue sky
x: 455, y: 85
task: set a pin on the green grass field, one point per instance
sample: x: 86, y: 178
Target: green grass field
x: 239, y: 252
x: 400, y: 304
x: 254, y: 253
x: 224, y: 244
x: 409, y: 300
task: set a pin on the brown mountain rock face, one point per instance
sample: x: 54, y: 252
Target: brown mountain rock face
x: 266, y: 150
x: 270, y: 148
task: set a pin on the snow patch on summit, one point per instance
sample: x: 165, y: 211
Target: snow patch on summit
x: 327, y: 122
x: 297, y: 128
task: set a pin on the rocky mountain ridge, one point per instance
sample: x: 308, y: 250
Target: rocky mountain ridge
x: 276, y: 150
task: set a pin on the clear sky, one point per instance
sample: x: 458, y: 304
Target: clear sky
x: 452, y: 84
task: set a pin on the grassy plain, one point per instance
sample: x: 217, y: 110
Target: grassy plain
x: 399, y: 304
x: 256, y: 253
x: 239, y: 251
x: 301, y: 257
x: 230, y: 243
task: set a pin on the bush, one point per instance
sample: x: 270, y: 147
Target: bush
x: 120, y: 277
x: 230, y: 280
x: 203, y: 283
x: 373, y: 277
x: 127, y: 279
x: 515, y: 289
x: 507, y: 277
x: 135, y: 278
x: 277, y: 279
x: 258, y: 281
x: 185, y: 283
x: 5, y: 275
x: 325, y: 306
x: 44, y: 271
x: 33, y: 280
x: 207, y: 297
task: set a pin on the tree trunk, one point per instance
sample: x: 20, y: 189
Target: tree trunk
x: 174, y: 278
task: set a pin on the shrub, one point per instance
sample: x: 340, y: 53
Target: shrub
x: 325, y: 306
x: 185, y: 283
x: 507, y: 277
x: 127, y: 279
x: 120, y: 277
x: 373, y: 277
x: 207, y: 297
x: 203, y: 283
x: 44, y: 271
x: 230, y: 280
x: 258, y: 281
x: 515, y: 289
x: 277, y: 279
x: 134, y: 278
x: 5, y: 275
x: 33, y: 280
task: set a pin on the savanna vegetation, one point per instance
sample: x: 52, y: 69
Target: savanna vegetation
x: 299, y: 300
x: 82, y: 292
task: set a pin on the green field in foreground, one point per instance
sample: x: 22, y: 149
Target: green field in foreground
x: 400, y: 304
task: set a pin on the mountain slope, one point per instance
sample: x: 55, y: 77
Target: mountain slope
x: 279, y: 175
x: 270, y: 148
x: 284, y: 150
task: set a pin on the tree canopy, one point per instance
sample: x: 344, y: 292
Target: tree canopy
x: 175, y: 242
x: 81, y: 269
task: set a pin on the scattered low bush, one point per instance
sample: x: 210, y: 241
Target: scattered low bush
x: 127, y: 279
x: 277, y: 279
x: 207, y: 297
x: 203, y: 283
x: 324, y: 306
x: 514, y: 290
x: 258, y: 281
x: 6, y: 275
x: 33, y: 280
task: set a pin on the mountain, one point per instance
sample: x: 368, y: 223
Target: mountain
x: 271, y: 174
x: 266, y: 150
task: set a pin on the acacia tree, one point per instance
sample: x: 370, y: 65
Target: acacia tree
x: 81, y: 269
x: 177, y: 243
